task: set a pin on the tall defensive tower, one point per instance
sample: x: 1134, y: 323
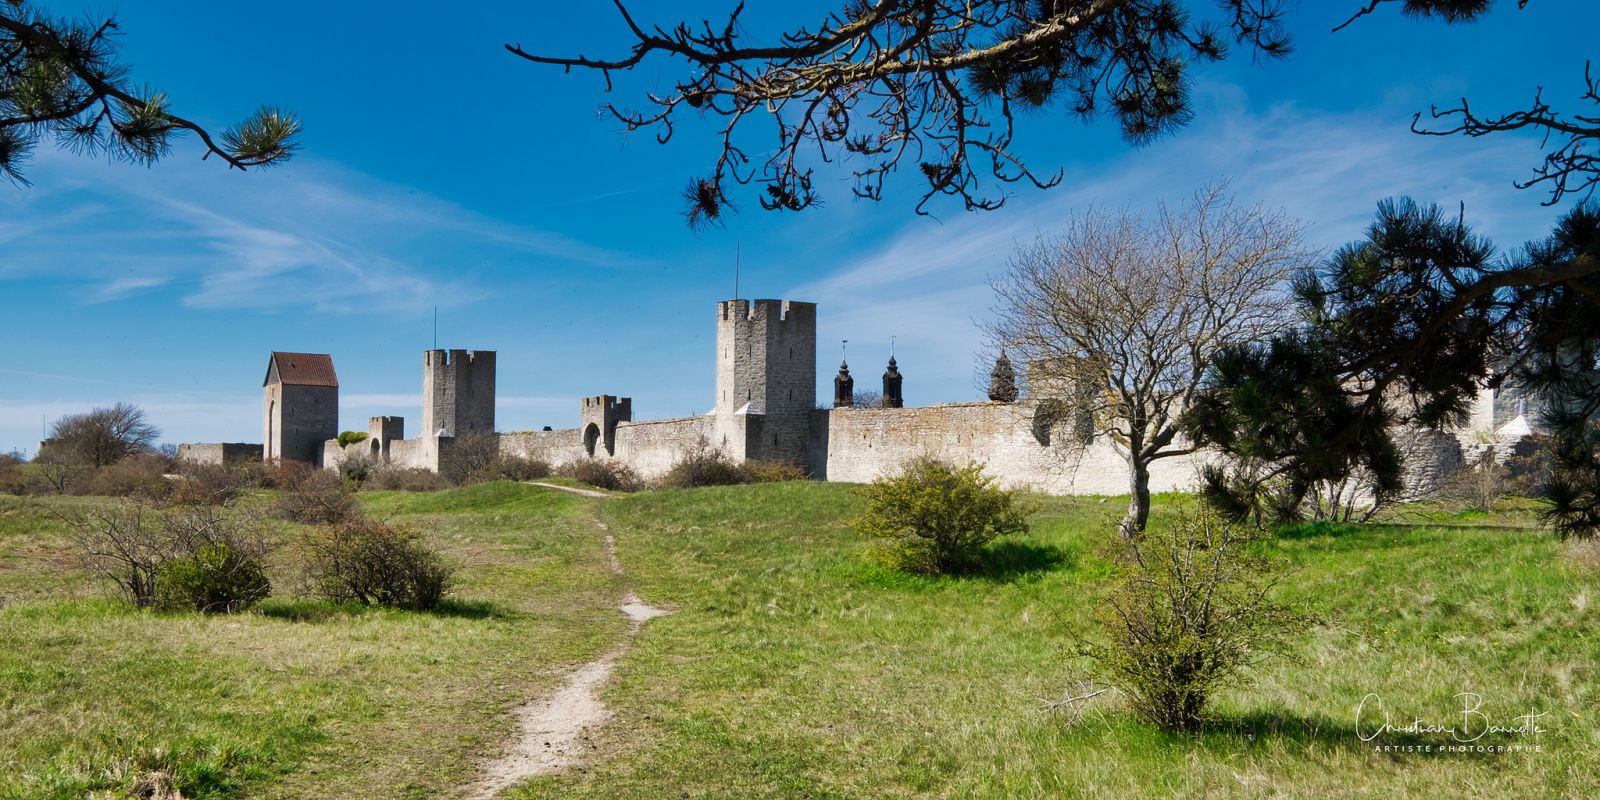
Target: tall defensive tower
x: 457, y: 392
x: 766, y: 378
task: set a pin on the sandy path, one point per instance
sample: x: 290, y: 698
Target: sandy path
x: 553, y: 731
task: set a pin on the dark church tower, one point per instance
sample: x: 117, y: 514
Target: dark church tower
x: 844, y: 387
x: 891, y: 387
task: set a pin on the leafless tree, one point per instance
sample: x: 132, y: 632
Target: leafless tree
x: 1571, y: 167
x: 866, y: 398
x: 1117, y: 318
x: 102, y: 436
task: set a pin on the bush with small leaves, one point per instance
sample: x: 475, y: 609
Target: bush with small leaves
x: 136, y: 546
x: 935, y: 518
x: 374, y: 563
x: 1190, y: 614
x: 612, y: 475
x: 215, y: 578
x: 347, y: 438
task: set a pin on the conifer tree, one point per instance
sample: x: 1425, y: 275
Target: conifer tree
x: 1003, y: 381
x: 61, y: 81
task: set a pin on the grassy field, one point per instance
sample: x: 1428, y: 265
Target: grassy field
x: 793, y: 667
x: 296, y: 699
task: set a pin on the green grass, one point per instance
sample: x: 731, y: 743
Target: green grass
x: 297, y: 698
x: 795, y: 668
x: 791, y: 666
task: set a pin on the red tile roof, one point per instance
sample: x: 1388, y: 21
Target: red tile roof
x: 302, y: 369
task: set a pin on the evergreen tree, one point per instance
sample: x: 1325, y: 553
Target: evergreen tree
x: 1403, y: 328
x: 1003, y: 381
x: 61, y: 80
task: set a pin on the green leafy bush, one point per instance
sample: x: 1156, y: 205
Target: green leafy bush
x: 1189, y: 615
x: 202, y: 557
x: 934, y: 517
x: 375, y: 563
x: 347, y: 438
x: 613, y: 475
x: 214, y: 578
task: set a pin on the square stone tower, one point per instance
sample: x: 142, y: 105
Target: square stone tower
x: 766, y: 379
x: 457, y: 392
x: 300, y: 406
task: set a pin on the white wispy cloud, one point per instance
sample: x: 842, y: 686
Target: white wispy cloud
x: 929, y: 285
x: 313, y: 235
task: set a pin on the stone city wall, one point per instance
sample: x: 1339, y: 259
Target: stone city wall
x: 224, y: 454
x: 858, y: 444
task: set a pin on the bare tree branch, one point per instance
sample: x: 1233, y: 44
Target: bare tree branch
x: 934, y: 85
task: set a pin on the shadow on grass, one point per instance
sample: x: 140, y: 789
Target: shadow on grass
x: 1317, y: 530
x: 318, y: 611
x: 1301, y: 733
x: 1009, y: 561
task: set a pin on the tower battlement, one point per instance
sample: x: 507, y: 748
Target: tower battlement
x: 766, y: 377
x: 457, y: 392
x: 780, y: 310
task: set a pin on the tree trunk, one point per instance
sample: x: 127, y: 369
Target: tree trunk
x: 1138, y: 498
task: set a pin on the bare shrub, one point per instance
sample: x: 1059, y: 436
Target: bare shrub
x: 317, y: 497
x: 12, y: 478
x: 934, y: 517
x: 464, y: 456
x: 771, y: 472
x: 518, y: 468
x: 1479, y: 484
x: 140, y: 475
x: 52, y: 475
x: 357, y: 467
x: 191, y: 556
x: 703, y: 465
x: 375, y: 563
x: 275, y: 474
x: 207, y: 485
x: 1188, y: 616
x: 412, y: 479
x: 612, y: 475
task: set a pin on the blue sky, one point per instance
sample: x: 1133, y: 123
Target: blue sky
x: 439, y: 170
